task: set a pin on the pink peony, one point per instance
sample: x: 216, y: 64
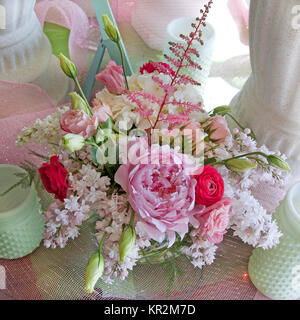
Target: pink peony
x: 160, y: 189
x: 219, y: 124
x: 112, y: 77
x: 78, y: 122
x: 214, y: 220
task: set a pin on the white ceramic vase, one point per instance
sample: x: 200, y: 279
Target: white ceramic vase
x: 25, y: 51
x: 150, y: 18
x: 269, y: 103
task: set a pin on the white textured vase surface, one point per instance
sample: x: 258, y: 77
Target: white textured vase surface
x: 276, y: 272
x: 269, y: 103
x: 25, y: 51
x: 150, y: 18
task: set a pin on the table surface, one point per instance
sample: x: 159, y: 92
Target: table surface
x: 58, y: 274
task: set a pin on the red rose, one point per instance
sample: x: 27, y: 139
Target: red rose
x: 161, y: 67
x: 54, y: 178
x: 210, y: 186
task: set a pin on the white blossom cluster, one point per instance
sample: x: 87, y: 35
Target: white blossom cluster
x: 249, y: 219
x: 201, y: 252
x: 44, y: 132
x: 89, y: 195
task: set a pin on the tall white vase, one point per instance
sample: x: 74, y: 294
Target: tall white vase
x: 25, y: 51
x: 150, y: 18
x: 269, y: 103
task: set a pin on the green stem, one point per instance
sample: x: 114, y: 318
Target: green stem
x: 123, y: 65
x: 233, y: 118
x: 38, y: 155
x: 103, y: 239
x: 132, y: 219
x: 82, y: 94
x: 91, y: 143
x: 240, y: 156
x: 252, y: 135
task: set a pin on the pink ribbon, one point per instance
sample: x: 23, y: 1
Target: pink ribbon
x: 68, y: 14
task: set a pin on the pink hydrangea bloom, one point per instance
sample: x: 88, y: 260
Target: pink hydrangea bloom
x: 78, y: 122
x: 160, y: 190
x: 112, y: 77
x: 214, y: 220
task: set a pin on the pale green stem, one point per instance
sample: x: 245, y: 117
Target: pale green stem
x: 123, y: 65
x: 103, y: 239
x: 82, y: 94
x: 240, y: 156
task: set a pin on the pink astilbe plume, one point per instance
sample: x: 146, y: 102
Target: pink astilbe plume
x: 184, y: 55
x: 140, y: 98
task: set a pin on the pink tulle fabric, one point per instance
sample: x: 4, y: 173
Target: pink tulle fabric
x: 71, y: 16
x: 20, y: 106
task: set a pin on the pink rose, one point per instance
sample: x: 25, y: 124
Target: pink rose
x: 219, y: 124
x: 112, y: 77
x: 78, y: 122
x: 214, y: 220
x: 160, y: 189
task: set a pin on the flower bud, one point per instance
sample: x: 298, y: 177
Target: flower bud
x: 126, y: 242
x: 73, y: 142
x: 77, y: 103
x: 94, y: 271
x: 240, y: 165
x: 276, y: 162
x: 67, y: 66
x: 110, y: 29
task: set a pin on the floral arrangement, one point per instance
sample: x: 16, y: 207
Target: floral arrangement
x: 160, y: 176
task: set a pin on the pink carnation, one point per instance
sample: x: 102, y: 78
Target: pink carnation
x: 112, y: 77
x: 102, y: 113
x: 160, y: 190
x: 214, y: 220
x: 78, y: 122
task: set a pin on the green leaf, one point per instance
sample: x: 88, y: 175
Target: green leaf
x: 58, y: 37
x: 108, y: 124
x: 93, y: 154
x: 222, y: 111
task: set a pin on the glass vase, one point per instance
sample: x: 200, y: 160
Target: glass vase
x: 21, y: 221
x: 276, y: 272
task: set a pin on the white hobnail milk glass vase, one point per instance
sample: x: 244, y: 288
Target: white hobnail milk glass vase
x: 269, y: 103
x: 150, y: 18
x: 183, y: 26
x: 25, y: 51
x: 276, y: 272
